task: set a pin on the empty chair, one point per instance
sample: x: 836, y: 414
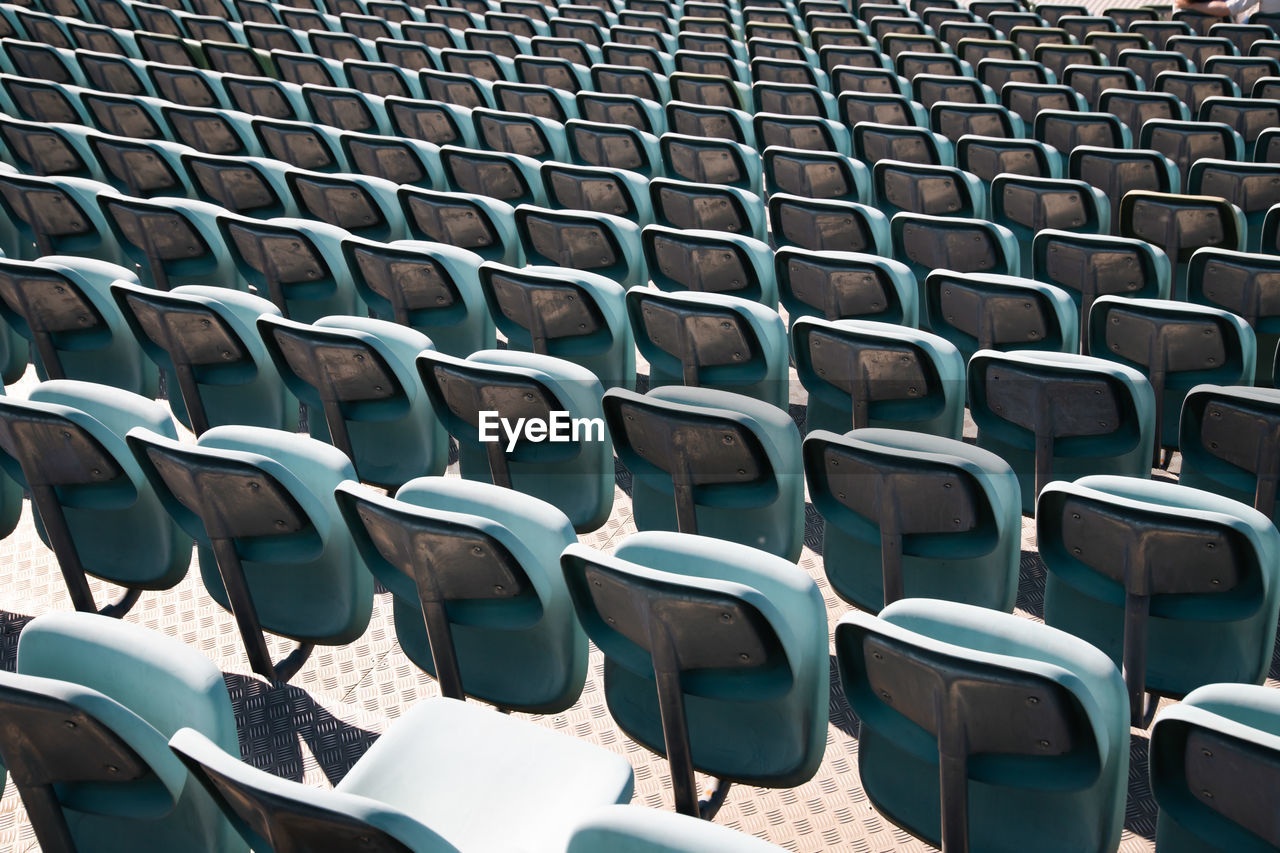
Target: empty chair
x: 595, y: 242
x: 954, y: 120
x: 980, y: 311
x: 477, y: 223
x: 1150, y: 64
x: 480, y: 602
x: 635, y: 829
x: 710, y: 262
x: 357, y: 377
x: 1242, y: 284
x: 1249, y: 117
x: 251, y: 186
x: 1176, y: 345
x: 271, y: 545
x: 87, y: 718
x: 169, y: 242
x: 1228, y: 440
x: 63, y: 307
x: 48, y: 150
x: 1252, y: 187
x: 1091, y: 81
x: 1027, y: 206
x: 142, y: 168
x: 616, y: 146
x: 598, y: 189
x: 206, y: 341
x: 374, y: 805
x: 987, y: 156
x: 1175, y: 584
x: 65, y: 444
x: 527, y: 422
x: 711, y: 340
x: 908, y: 514
x: 1210, y: 754
x: 1065, y: 130
x: 1136, y: 108
x: 845, y: 285
x: 1181, y: 224
x: 711, y: 462
x: 54, y: 216
x: 688, y: 683
x: 1088, y: 266
x: 816, y: 174
x: 1194, y: 89
x: 873, y: 142
x: 574, y: 315
x: 970, y: 717
x: 1061, y: 416
x: 928, y: 189
x: 363, y: 206
x: 295, y: 263
x: 1116, y: 172
x: 431, y: 287
x: 927, y: 243
x: 707, y: 207
x: 1185, y: 142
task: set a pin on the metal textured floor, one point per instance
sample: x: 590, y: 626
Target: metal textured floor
x: 315, y: 728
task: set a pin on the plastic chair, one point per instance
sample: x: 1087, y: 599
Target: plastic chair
x: 54, y: 216
x: 927, y: 243
x: 633, y: 829
x: 1181, y: 224
x: 168, y: 242
x: 1175, y: 584
x: 476, y: 223
x: 927, y: 189
x: 845, y: 285
x: 1251, y: 187
x: 937, y: 517
x: 1116, y: 172
x: 1239, y: 283
x: 938, y: 685
x: 92, y: 504
x: 1185, y: 142
x: 1061, y: 416
x: 1027, y: 206
x: 978, y: 311
x: 667, y: 595
x: 1067, y: 130
x: 271, y: 545
x: 87, y: 717
x: 828, y: 225
x: 986, y: 157
x: 480, y: 603
x: 707, y: 207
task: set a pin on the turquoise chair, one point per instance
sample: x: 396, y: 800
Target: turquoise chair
x: 393, y: 158
x: 1058, y: 416
x: 862, y: 373
x: 575, y: 315
x: 1212, y: 757
x: 710, y: 262
x: 979, y: 726
x: 839, y: 285
x: 92, y: 504
x: 54, y: 216
x: 1027, y: 206
x: 598, y: 189
x: 477, y: 223
x: 170, y: 242
x: 88, y: 715
x: 142, y: 168
x: 713, y: 463
x: 707, y: 207
x: 1228, y: 440
x: 1249, y: 186
x: 937, y: 517
x: 415, y: 789
x: 1181, y: 224
x: 480, y: 602
x: 296, y: 263
x: 1241, y: 283
x: 816, y: 174
x: 824, y: 225
x: 50, y: 150
x: 1176, y: 345
x: 512, y: 178
x: 928, y: 243
x: 62, y: 309
x: 876, y: 141
x: 363, y: 206
x: 1000, y: 312
x: 357, y: 378
x: 715, y: 656
x: 1088, y: 266
x: 475, y: 396
x: 989, y: 156
x: 271, y: 544
x: 575, y: 239
x: 634, y: 829
x: 1179, y: 585
x: 431, y: 287
x: 926, y: 188
x: 206, y: 342
x: 616, y: 146
x: 711, y: 340
x: 250, y: 186
x: 712, y: 161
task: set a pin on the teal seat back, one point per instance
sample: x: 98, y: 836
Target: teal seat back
x: 927, y: 243
x: 170, y: 242
x: 945, y: 691
x: 1027, y: 206
x: 477, y: 223
x: 711, y: 462
x: 845, y: 285
x: 1249, y: 186
x: 710, y: 262
x: 1227, y: 437
x: 55, y: 216
x: 1116, y: 172
x: 1181, y: 224
x: 913, y: 515
x: 979, y: 311
x: 595, y: 242
x: 828, y: 226
x: 1239, y: 282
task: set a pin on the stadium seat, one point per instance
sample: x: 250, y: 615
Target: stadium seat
x: 932, y: 190
x: 54, y: 216
x: 845, y: 285
x: 987, y: 157
x: 1181, y: 224
x: 1116, y: 172
x: 1252, y: 187
x: 825, y: 225
x: 477, y: 223
x: 912, y: 515
x: 633, y: 829
x: 1228, y: 440
x: 927, y: 243
x: 1240, y: 283
x: 1027, y: 206
x: 979, y: 311
x: 710, y: 262
x: 594, y: 242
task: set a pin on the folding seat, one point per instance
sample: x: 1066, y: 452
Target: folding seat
x: 408, y: 57
x: 210, y: 28
x: 295, y: 263
x: 206, y: 342
x: 871, y: 80
x: 873, y: 142
x: 90, y: 710
x: 430, y: 34
x: 475, y: 395
x: 1111, y: 44
x: 236, y: 59
x: 1003, y: 59
x: 1088, y: 266
x: 1227, y: 437
x: 195, y: 87
x: 112, y: 13
x: 357, y: 376
x: 910, y: 64
x: 168, y: 242
x: 597, y: 242
x: 1242, y: 284
x: 1178, y: 584
x: 335, y: 47
x: 826, y: 225
x: 1136, y: 108
x: 713, y: 161
x: 1199, y: 49
x: 63, y: 307
x: 862, y: 373
x: 345, y: 109
x: 526, y: 135
x: 930, y: 89
x: 134, y: 116
x: 614, y: 146
x: 880, y: 26
x: 1059, y: 416
x: 816, y: 174
x: 986, y: 157
x: 301, y: 144
x: 711, y: 340
x: 709, y: 262
x: 643, y: 115
x: 1176, y: 346
x: 642, y: 830
x: 458, y: 89
x: 1195, y: 89
x: 1116, y: 172
x: 787, y: 73
x: 364, y: 27
x: 960, y: 545
x: 1028, y: 99
x: 956, y: 120
x: 599, y: 190
x: 90, y: 36
x: 305, y: 68
x: 396, y: 159
x: 45, y: 150
x: 954, y: 29
x: 37, y: 100
x: 54, y: 216
x: 844, y: 64
x: 477, y: 223
x: 854, y: 108
x: 841, y: 285
x: 435, y: 122
x: 943, y: 688
x: 1249, y: 117
x: 630, y: 80
x: 513, y: 178
x: 1244, y: 71
x: 1149, y: 64
x: 1027, y: 205
x: 1059, y: 57
x: 116, y: 74
x: 999, y: 312
x: 1181, y: 224
x: 703, y: 62
x: 1124, y: 18
x: 141, y: 168
x: 265, y: 97
x: 94, y: 508
x: 927, y: 243
x: 934, y: 190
